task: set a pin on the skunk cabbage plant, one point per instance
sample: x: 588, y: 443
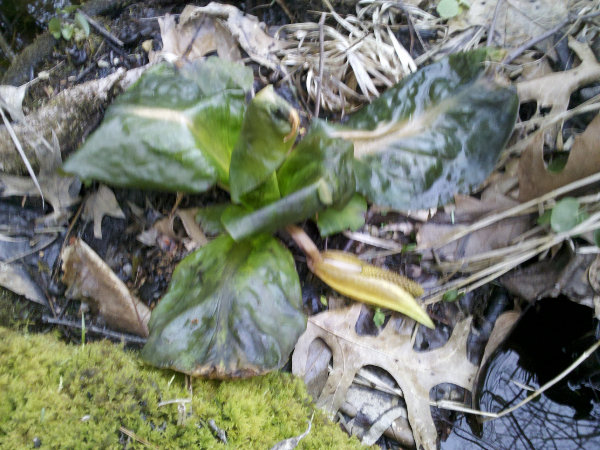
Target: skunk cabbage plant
x: 233, y: 307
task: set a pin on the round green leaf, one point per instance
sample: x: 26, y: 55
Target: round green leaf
x: 565, y: 215
x: 448, y: 8
x: 232, y: 310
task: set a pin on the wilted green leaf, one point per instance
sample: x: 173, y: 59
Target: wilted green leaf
x: 318, y: 174
x: 350, y: 217
x: 54, y: 27
x: 173, y: 130
x: 233, y: 309
x: 565, y: 215
x: 435, y: 134
x: 268, y: 133
x: 83, y: 23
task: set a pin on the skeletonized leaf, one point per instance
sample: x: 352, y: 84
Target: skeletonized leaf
x: 233, y: 309
x: 172, y: 130
x: 437, y: 133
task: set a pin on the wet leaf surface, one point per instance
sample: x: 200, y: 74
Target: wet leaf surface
x: 232, y: 310
x: 173, y: 130
x: 435, y: 134
x: 318, y: 174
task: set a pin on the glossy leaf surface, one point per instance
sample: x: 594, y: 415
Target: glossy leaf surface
x: 318, y: 174
x: 435, y: 134
x: 173, y: 130
x: 232, y: 310
x: 268, y: 133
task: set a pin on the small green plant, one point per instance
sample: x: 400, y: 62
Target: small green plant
x: 448, y: 9
x: 63, y: 26
x: 378, y: 317
x: 566, y: 214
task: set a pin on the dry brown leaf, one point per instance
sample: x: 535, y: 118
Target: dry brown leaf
x: 101, y: 203
x: 245, y: 29
x: 91, y: 280
x: 415, y: 372
x: 196, y: 35
x: 566, y: 274
x: 517, y: 21
x: 11, y: 100
x: 584, y: 160
x: 467, y: 211
x: 60, y: 191
x: 502, y: 328
x: 15, y: 278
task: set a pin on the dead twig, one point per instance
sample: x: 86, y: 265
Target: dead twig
x: 136, y: 438
x: 101, y: 30
x: 129, y: 338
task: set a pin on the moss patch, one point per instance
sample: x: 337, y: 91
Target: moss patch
x: 71, y: 396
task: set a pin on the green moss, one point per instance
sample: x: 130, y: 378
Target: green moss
x: 77, y: 397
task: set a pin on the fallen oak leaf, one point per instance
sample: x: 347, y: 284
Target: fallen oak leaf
x: 91, y: 280
x: 415, y: 372
x: 584, y: 160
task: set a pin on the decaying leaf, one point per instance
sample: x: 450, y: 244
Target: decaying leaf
x: 246, y: 30
x: 101, y: 203
x: 60, y: 191
x: 584, y: 160
x: 195, y: 36
x: 16, y: 279
x: 565, y: 274
x: 517, y: 21
x: 436, y: 133
x: 233, y: 309
x: 415, y: 372
x: 11, y: 100
x: 433, y: 234
x: 89, y: 279
x: 173, y: 130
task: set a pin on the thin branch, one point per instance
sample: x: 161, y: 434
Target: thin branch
x: 94, y: 329
x: 101, y: 30
x: 492, y: 29
x: 519, y: 209
x: 17, y: 143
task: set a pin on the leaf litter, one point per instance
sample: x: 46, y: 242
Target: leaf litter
x: 368, y: 84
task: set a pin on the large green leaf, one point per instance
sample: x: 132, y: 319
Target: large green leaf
x: 435, y: 134
x: 268, y: 133
x: 174, y: 129
x: 232, y: 310
x: 318, y: 174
